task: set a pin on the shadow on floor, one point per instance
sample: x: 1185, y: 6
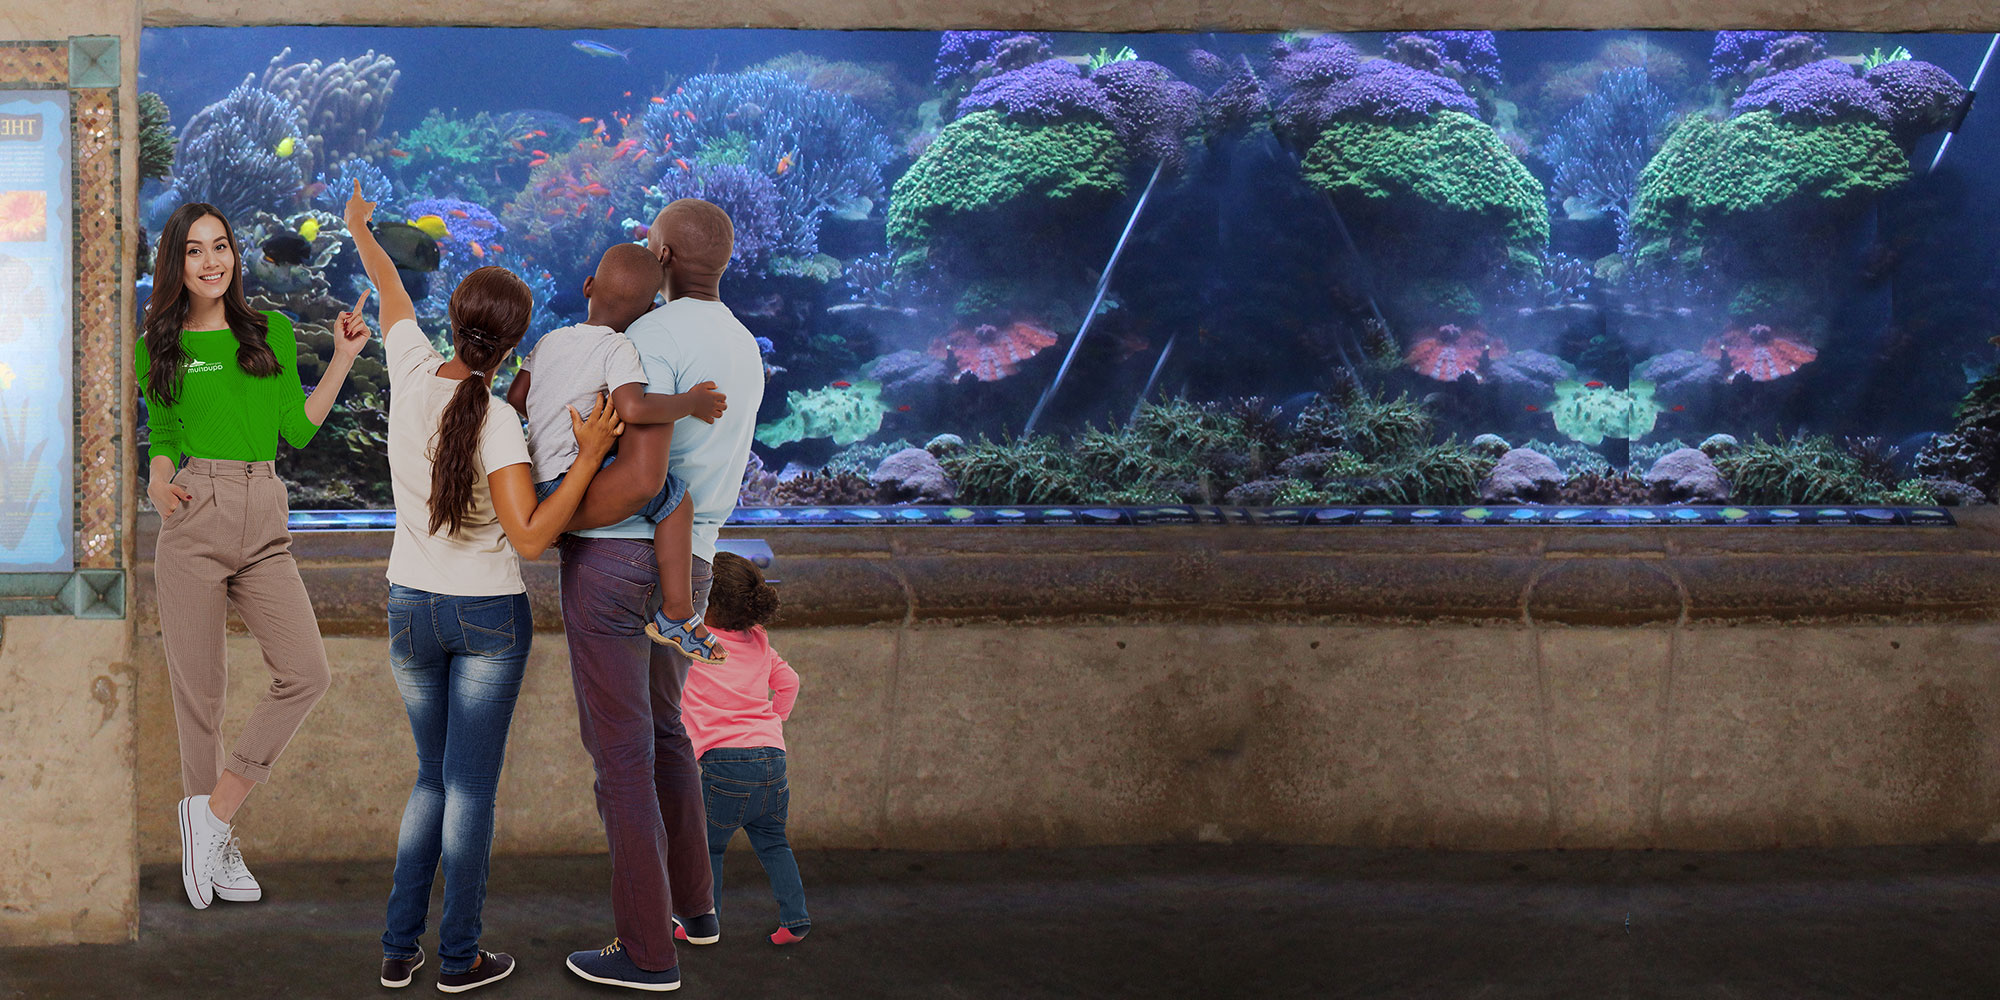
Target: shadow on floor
x: 1209, y: 921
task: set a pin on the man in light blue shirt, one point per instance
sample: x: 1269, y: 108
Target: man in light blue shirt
x: 628, y: 688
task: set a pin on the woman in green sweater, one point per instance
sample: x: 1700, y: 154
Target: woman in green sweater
x: 221, y: 383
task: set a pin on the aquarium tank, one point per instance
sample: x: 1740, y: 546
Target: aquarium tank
x: 1017, y: 268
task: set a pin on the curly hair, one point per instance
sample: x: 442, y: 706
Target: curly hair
x: 739, y: 598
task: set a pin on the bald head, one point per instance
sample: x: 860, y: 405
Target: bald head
x: 699, y: 233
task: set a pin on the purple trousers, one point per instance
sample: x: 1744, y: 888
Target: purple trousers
x: 628, y: 707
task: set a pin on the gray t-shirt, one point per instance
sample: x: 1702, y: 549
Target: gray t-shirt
x: 683, y: 344
x: 571, y: 366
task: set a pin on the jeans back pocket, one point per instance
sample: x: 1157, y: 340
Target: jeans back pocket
x: 489, y: 627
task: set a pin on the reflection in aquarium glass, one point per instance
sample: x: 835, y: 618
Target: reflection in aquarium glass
x: 997, y: 268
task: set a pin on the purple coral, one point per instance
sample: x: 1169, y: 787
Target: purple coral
x: 1046, y: 92
x: 1152, y: 112
x: 1789, y: 52
x: 1384, y: 92
x: 1921, y: 97
x: 1323, y: 62
x: 749, y: 196
x: 973, y: 53
x: 1736, y: 51
x: 1817, y: 93
x: 1208, y: 67
x: 1239, y: 103
x: 1459, y: 53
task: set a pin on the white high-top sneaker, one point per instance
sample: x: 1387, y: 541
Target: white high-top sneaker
x: 233, y: 880
x: 202, y: 850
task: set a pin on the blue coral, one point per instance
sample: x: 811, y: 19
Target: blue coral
x: 228, y: 154
x: 751, y: 199
x: 1817, y: 93
x: 1736, y: 52
x: 821, y: 149
x: 1921, y: 97
x: 1599, y: 148
x: 1470, y: 52
x: 338, y: 183
x: 1152, y: 112
x: 1045, y: 93
x: 475, y: 225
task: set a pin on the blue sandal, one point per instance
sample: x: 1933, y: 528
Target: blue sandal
x: 680, y: 635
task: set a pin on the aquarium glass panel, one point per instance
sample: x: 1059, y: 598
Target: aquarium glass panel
x: 990, y: 268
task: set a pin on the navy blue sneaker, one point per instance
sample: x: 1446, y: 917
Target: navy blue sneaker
x: 613, y: 967
x: 705, y: 929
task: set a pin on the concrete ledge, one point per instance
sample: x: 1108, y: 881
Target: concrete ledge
x: 1353, y: 575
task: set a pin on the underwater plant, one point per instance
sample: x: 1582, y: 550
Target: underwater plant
x: 1799, y: 470
x: 239, y: 154
x: 1589, y: 412
x: 156, y: 137
x: 1970, y: 452
x: 1599, y: 149
x: 1879, y: 57
x: 1104, y: 57
x: 976, y: 183
x: 1449, y: 174
x: 1562, y: 85
x: 846, y: 413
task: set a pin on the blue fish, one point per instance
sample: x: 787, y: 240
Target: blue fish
x: 764, y: 345
x: 591, y: 48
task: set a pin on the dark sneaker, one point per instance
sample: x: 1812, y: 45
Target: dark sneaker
x: 705, y: 929
x: 613, y: 967
x: 491, y: 969
x: 396, y: 972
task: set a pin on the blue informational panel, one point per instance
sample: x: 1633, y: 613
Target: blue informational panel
x: 35, y: 353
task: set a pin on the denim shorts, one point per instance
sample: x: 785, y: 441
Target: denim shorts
x: 656, y: 509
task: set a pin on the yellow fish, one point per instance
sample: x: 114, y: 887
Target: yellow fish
x: 309, y: 229
x: 287, y: 146
x: 432, y: 225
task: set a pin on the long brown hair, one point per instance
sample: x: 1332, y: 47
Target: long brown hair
x: 167, y: 309
x: 739, y: 598
x: 489, y: 314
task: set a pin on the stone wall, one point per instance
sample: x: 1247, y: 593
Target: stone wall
x: 1481, y: 688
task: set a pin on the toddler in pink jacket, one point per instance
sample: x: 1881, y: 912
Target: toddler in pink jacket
x: 735, y: 714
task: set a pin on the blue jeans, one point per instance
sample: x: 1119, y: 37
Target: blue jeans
x: 458, y: 663
x: 746, y: 788
x: 656, y: 510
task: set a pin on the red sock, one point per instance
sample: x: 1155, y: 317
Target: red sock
x: 784, y: 935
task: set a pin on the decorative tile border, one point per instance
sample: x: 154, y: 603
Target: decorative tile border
x: 97, y: 588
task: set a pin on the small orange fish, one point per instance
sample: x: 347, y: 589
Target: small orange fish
x: 659, y: 100
x: 1532, y: 408
x: 680, y: 90
x: 538, y: 152
x: 477, y: 251
x: 628, y: 93
x: 496, y: 248
x: 843, y: 384
x: 683, y: 164
x: 401, y: 154
x: 585, y: 120
x: 483, y: 223
x: 538, y: 161
x: 1678, y: 409
x: 784, y: 164
x: 539, y: 134
x: 458, y: 213
x: 905, y: 408
x: 608, y: 211
x: 517, y: 144
x: 1593, y: 384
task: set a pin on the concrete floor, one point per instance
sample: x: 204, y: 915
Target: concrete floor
x: 1208, y: 921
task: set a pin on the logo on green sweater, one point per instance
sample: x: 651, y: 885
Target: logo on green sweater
x: 198, y: 367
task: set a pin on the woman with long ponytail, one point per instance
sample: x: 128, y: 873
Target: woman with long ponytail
x: 221, y: 384
x: 459, y: 622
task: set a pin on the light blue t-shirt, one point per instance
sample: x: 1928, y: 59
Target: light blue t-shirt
x: 682, y: 344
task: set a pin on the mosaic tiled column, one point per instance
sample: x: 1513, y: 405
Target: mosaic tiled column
x: 87, y: 67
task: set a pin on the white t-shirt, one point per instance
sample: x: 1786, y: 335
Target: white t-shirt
x: 683, y: 344
x: 571, y: 366
x: 478, y: 561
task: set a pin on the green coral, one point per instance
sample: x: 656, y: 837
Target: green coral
x: 1588, y: 415
x: 818, y: 267
x: 452, y: 140
x: 1368, y: 425
x: 731, y: 149
x: 1709, y: 170
x: 982, y: 165
x: 1105, y: 57
x: 156, y: 138
x: 844, y: 413
x: 1878, y: 57
x: 1453, y: 167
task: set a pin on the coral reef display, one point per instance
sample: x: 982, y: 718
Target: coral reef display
x: 844, y: 412
x: 1589, y: 412
x: 156, y: 137
x: 239, y: 154
x: 1599, y: 149
x: 990, y: 353
x: 341, y: 103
